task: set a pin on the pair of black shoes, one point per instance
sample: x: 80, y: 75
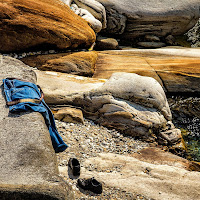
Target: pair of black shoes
x: 90, y: 184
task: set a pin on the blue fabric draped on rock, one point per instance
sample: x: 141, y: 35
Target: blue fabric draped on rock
x: 15, y: 89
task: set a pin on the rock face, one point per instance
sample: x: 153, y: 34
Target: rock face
x: 133, y: 104
x: 176, y: 69
x: 81, y: 63
x: 152, y: 181
x: 28, y: 163
x: 26, y: 24
x: 136, y: 18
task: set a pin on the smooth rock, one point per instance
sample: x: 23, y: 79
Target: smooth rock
x: 152, y: 17
x: 80, y: 63
x: 68, y: 114
x: 106, y: 44
x: 132, y: 104
x: 153, y: 181
x: 28, y: 163
x: 151, y: 44
x: 176, y: 69
x: 159, y: 157
x: 95, y: 8
x: 59, y: 88
x: 27, y: 24
x: 152, y: 38
x: 86, y: 15
x: 90, y: 10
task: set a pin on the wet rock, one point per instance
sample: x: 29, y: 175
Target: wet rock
x: 189, y: 106
x: 27, y: 24
x: 80, y: 63
x: 170, y: 40
x: 28, y: 163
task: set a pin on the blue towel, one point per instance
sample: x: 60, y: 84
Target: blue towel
x: 15, y: 89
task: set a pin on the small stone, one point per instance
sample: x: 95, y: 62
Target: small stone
x: 151, y: 44
x: 152, y: 38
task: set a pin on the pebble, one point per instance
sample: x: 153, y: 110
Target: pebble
x: 87, y: 140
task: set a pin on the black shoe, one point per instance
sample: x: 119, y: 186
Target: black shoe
x: 74, y: 166
x: 90, y: 184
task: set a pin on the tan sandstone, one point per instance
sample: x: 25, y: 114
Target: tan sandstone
x: 154, y: 181
x: 80, y: 63
x: 176, y: 69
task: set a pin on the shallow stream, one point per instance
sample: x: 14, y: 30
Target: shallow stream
x: 186, y: 116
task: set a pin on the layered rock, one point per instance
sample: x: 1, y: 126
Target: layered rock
x: 68, y: 114
x: 176, y: 69
x: 81, y: 63
x: 151, y: 181
x: 136, y: 18
x: 28, y: 163
x: 26, y: 24
x: 133, y: 104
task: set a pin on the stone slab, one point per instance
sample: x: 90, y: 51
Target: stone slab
x: 176, y: 69
x: 27, y: 162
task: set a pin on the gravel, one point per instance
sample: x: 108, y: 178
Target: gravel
x: 87, y: 140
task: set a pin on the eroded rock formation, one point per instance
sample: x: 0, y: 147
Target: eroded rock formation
x: 135, y: 18
x: 135, y: 105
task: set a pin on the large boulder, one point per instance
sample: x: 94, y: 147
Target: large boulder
x: 176, y: 69
x: 28, y: 163
x: 137, y: 18
x: 26, y: 24
x: 135, y: 105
